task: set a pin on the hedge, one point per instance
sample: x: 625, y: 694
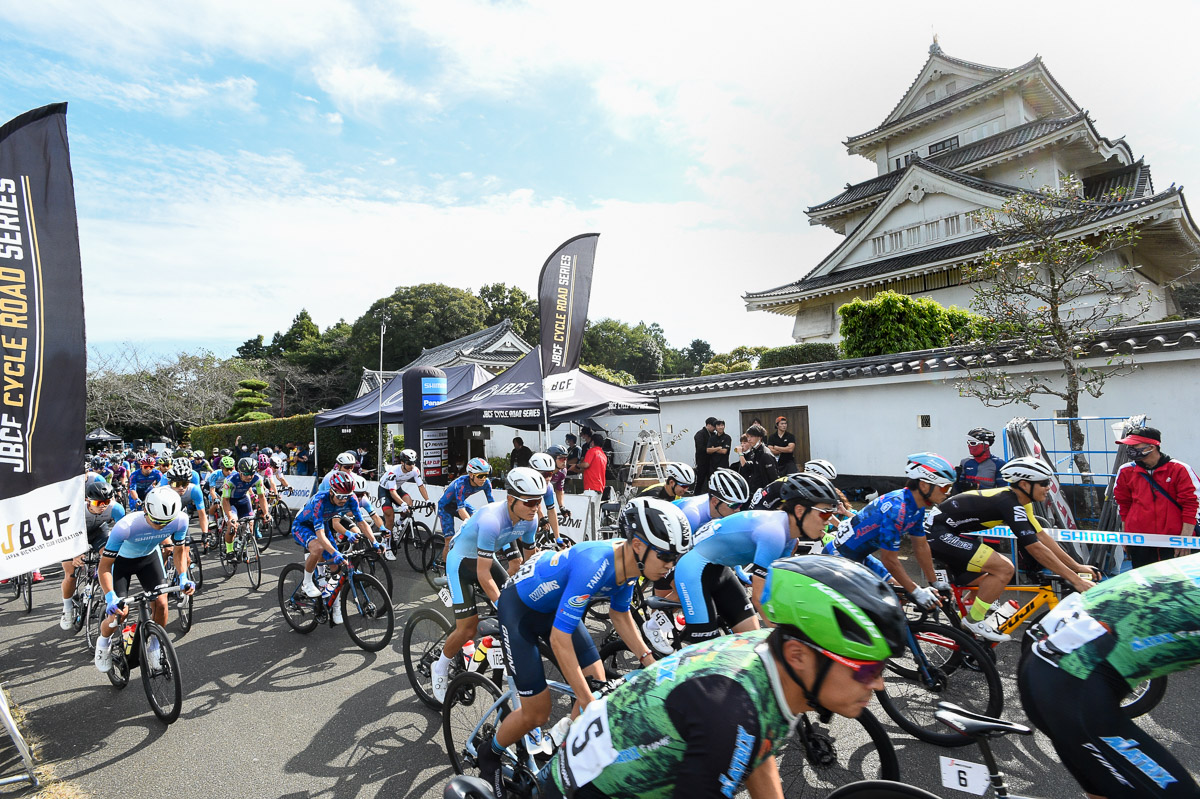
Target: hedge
x: 277, y: 432
x: 794, y: 354
x: 891, y: 322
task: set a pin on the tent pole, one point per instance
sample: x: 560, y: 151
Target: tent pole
x: 316, y: 444
x: 379, y: 418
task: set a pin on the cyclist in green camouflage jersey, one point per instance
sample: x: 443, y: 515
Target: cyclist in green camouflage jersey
x: 1089, y: 652
x: 705, y: 721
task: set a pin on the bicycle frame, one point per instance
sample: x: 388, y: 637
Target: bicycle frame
x: 511, y: 695
x: 1043, y: 596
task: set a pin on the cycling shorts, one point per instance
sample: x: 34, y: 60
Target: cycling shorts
x: 1106, y: 753
x: 711, y: 594
x: 385, y: 496
x: 961, y: 554
x: 460, y: 581
x: 522, y: 628
x: 305, y: 535
x: 446, y: 522
x: 241, y: 506
x: 147, y: 568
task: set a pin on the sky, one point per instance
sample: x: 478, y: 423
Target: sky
x: 235, y: 162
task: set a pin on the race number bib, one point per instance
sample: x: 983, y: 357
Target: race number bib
x: 527, y: 567
x: 1069, y: 626
x: 845, y: 531
x: 444, y: 595
x: 496, y: 658
x: 588, y: 748
x: 706, y: 530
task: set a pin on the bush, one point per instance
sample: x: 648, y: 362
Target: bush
x: 277, y: 432
x: 891, y: 322
x: 794, y: 354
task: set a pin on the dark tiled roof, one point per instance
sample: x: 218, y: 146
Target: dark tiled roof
x: 1128, y: 182
x: 955, y: 159
x: 470, y: 345
x: 1163, y: 337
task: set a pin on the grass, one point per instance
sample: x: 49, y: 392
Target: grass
x: 51, y: 787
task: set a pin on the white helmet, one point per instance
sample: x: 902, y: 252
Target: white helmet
x: 408, y: 456
x: 360, y: 484
x: 181, y: 468
x: 1026, y: 468
x: 161, y: 505
x: 659, y: 523
x: 822, y: 467
x: 525, y: 483
x: 681, y: 473
x: 729, y: 486
x: 347, y: 458
x: 542, y: 462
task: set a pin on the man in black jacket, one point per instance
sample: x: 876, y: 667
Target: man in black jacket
x: 701, y: 441
x: 755, y: 462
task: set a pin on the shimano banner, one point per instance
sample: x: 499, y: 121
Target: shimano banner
x: 42, y: 348
x: 564, y: 288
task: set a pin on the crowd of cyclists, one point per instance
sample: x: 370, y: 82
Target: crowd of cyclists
x: 791, y: 601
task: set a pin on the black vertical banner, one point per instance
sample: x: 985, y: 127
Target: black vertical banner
x: 564, y: 288
x: 42, y: 349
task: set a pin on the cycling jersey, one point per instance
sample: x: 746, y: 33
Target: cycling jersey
x: 395, y: 476
x: 142, y: 482
x: 769, y: 496
x: 755, y: 537
x: 192, y: 498
x: 549, y: 498
x: 828, y: 546
x: 216, y: 480
x: 972, y: 512
x: 457, y: 492
x: 236, y: 486
x: 976, y: 475
x: 201, y: 465
x: 99, y: 525
x: 880, y: 525
x: 656, y: 491
x: 104, y: 474
x: 563, y: 583
x: 133, y: 537
x: 320, y: 509
x: 489, y: 530
x: 118, y: 473
x: 696, y: 509
x: 695, y: 724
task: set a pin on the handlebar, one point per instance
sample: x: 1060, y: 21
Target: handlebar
x: 157, y: 591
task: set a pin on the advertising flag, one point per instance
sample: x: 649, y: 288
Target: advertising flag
x: 42, y: 351
x: 564, y: 288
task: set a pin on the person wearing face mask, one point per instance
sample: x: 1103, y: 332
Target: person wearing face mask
x: 755, y: 461
x: 981, y: 471
x: 1155, y: 494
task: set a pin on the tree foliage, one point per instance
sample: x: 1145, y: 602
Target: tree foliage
x: 891, y: 322
x: 795, y: 354
x: 611, y: 375
x: 247, y: 400
x: 509, y: 302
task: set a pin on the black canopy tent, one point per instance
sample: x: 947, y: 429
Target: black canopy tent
x: 100, y: 436
x: 366, y: 409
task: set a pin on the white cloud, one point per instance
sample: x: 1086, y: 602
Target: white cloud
x: 362, y: 89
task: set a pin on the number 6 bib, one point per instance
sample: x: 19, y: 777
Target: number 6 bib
x: 588, y: 748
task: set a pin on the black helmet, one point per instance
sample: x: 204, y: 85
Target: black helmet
x: 556, y: 451
x: 225, y: 453
x: 247, y: 466
x: 808, y: 489
x: 982, y: 434
x: 98, y: 491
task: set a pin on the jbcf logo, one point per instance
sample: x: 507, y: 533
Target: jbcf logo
x: 50, y: 525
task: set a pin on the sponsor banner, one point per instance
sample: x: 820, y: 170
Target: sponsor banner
x: 560, y: 387
x: 41, y: 527
x: 564, y: 290
x: 1104, y: 537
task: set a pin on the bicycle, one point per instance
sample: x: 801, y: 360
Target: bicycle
x: 412, y: 535
x: 160, y: 675
x: 365, y: 558
x: 245, y: 550
x: 87, y: 586
x: 424, y: 637
x: 185, y: 600
x: 22, y: 586
x: 281, y: 520
x: 366, y: 605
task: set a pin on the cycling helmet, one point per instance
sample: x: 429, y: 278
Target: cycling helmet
x: 216, y: 452
x: 98, y: 463
x: 525, y: 482
x: 264, y: 462
x: 161, y: 505
x: 227, y: 452
x: 982, y: 434
x: 542, y: 462
x: 227, y: 462
x: 1026, y: 468
x: 164, y: 462
x: 197, y: 453
x: 822, y: 467
x: 266, y: 451
x: 681, y: 473
x: 360, y: 484
x: 147, y: 461
x: 181, y: 469
x: 478, y: 466
x: 808, y: 490
x: 408, y: 456
x: 347, y: 458
x: 98, y: 491
x: 341, y: 483
x: 556, y: 451
x: 931, y: 468
x: 729, y: 486
x: 837, y: 604
x: 246, y: 466
x: 659, y: 523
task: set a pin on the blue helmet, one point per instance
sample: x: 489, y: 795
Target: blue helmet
x: 478, y: 466
x: 930, y: 467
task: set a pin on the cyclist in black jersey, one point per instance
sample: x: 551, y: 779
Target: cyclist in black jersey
x: 973, y: 562
x: 679, y: 481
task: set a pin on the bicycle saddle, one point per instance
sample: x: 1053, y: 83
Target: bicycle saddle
x: 659, y: 603
x: 610, y: 507
x: 489, y: 626
x: 975, y: 725
x: 464, y: 787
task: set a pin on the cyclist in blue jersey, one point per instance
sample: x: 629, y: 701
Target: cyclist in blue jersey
x: 879, y: 527
x: 454, y: 499
x: 546, y: 602
x: 728, y: 493
x: 100, y: 466
x: 142, y: 480
x: 201, y: 464
x: 543, y: 463
x: 346, y: 462
x: 310, y: 529
x: 235, y: 499
x: 178, y: 477
x: 709, y: 590
x: 368, y: 520
x: 132, y: 549
x: 472, y: 560
x: 216, y: 481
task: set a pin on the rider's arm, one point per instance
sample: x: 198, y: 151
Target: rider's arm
x: 1047, y: 552
x: 568, y: 664
x: 891, y: 560
x: 721, y: 741
x: 627, y: 628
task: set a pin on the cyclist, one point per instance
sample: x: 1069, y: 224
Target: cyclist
x: 132, y: 549
x: 543, y: 463
x: 120, y: 473
x: 546, y: 602
x: 100, y: 466
x: 102, y: 514
x: 142, y: 481
x: 728, y: 493
x: 201, y: 464
x: 272, y: 477
x: 709, y: 590
x: 309, y: 530
x: 179, y: 477
x: 559, y: 480
x: 472, y: 560
x: 215, y: 482
x: 392, y: 487
x: 879, y: 527
x: 346, y: 462
x: 971, y: 561
x: 235, y: 499
x: 366, y: 525
x: 706, y: 721
x: 679, y: 480
x: 1089, y: 652
x: 982, y: 470
x: 767, y: 497
x: 454, y: 498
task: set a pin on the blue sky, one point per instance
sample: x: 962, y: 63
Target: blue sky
x: 236, y: 161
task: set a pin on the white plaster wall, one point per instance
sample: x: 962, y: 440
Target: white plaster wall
x: 932, y: 206
x: 1043, y: 164
x: 960, y: 124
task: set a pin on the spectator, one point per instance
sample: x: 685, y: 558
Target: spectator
x: 782, y: 445
x: 594, y: 467
x: 1154, y: 494
x: 574, y: 454
x: 585, y: 438
x: 982, y: 470
x: 303, y: 461
x: 703, y: 450
x: 755, y: 462
x: 520, y: 454
x: 719, y: 447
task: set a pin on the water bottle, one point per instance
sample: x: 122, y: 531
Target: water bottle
x: 481, y: 653
x: 468, y: 652
x: 1006, y: 611
x: 127, y: 637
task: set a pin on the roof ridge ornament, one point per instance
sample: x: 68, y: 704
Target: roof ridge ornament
x: 935, y: 48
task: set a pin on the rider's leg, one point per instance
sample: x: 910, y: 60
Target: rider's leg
x: 997, y: 572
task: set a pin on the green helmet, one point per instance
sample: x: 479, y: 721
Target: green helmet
x: 837, y: 604
x: 227, y: 462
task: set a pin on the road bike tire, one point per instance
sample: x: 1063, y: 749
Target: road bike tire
x: 425, y: 633
x: 264, y: 534
x: 187, y: 602
x: 27, y: 590
x: 229, y: 560
x: 435, y: 568
x: 380, y: 571
x: 281, y: 520
x: 962, y: 673
x: 195, y: 567
x: 468, y: 699
x: 818, y: 758
x: 881, y: 789
x: 367, y: 612
x: 164, y: 686
x: 618, y: 660
x: 93, y: 619
x: 252, y: 555
x: 118, y: 675
x: 415, y: 545
x: 299, y: 610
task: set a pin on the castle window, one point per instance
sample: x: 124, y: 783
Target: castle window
x: 941, y: 146
x: 953, y: 227
x: 913, y: 235
x: 895, y: 241
x: 877, y: 246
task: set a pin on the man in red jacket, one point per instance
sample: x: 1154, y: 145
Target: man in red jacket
x: 1155, y: 494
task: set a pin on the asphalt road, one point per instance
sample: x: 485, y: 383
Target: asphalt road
x: 272, y: 713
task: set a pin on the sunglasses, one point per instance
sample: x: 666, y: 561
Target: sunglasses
x: 530, y: 503
x: 971, y: 442
x: 1042, y: 483
x: 665, y: 557
x: 180, y: 483
x: 824, y: 514
x: 865, y: 672
x: 99, y: 503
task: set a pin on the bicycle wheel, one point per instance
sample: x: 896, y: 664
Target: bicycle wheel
x: 425, y: 633
x: 195, y: 568
x: 118, y: 675
x: 253, y: 558
x: 229, y: 560
x: 368, y: 613
x: 160, y: 673
x: 435, y: 569
x: 468, y: 722
x: 380, y: 571
x: 818, y: 758
x: 416, y: 544
x: 264, y: 533
x: 186, y: 604
x: 281, y: 519
x: 1144, y: 698
x: 617, y: 659
x: 27, y: 591
x: 299, y: 609
x: 958, y: 671
x: 880, y: 789
x: 93, y: 618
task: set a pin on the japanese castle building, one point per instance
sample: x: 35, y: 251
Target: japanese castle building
x: 966, y: 136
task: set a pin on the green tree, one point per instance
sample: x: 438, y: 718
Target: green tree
x: 425, y: 315
x: 509, y: 302
x: 890, y: 322
x: 611, y: 375
x: 248, y: 398
x: 302, y: 331
x: 252, y: 349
